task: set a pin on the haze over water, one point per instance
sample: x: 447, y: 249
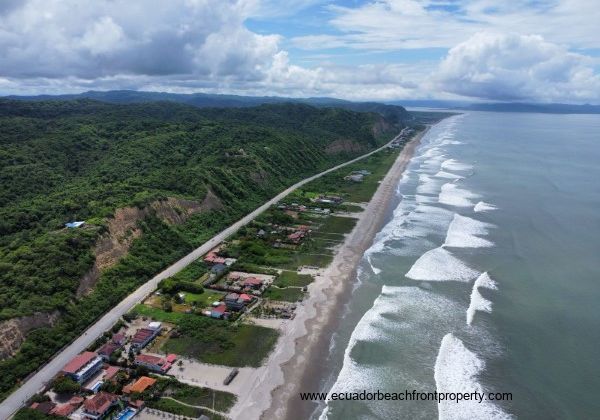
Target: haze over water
x: 486, y: 276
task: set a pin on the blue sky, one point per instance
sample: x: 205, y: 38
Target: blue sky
x: 479, y: 50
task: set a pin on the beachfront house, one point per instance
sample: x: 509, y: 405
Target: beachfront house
x: 83, y: 366
x: 153, y: 363
x: 144, y: 336
x: 234, y: 302
x: 99, y: 405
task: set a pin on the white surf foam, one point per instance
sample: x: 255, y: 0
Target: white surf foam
x: 440, y: 265
x: 428, y: 185
x: 447, y: 175
x: 456, y: 370
x: 452, y: 195
x: 464, y: 232
x: 478, y: 302
x: 483, y: 206
x: 455, y: 165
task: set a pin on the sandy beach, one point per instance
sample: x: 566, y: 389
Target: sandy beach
x: 295, y: 363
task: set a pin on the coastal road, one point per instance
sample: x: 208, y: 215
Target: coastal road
x: 35, y: 383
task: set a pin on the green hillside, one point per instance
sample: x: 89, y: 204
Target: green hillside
x: 82, y: 160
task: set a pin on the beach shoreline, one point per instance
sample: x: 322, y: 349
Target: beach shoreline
x: 295, y: 363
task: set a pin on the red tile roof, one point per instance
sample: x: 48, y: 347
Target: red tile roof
x: 252, y: 281
x: 148, y: 358
x: 99, y: 403
x: 78, y: 362
x: 64, y: 410
x: 245, y: 297
x: 108, y: 348
x: 221, y: 309
x: 110, y: 372
x: 140, y: 385
x: 171, y: 357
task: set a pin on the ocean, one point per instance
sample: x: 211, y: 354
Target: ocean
x: 485, y: 277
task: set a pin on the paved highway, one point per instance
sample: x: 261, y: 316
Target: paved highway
x: 14, y: 401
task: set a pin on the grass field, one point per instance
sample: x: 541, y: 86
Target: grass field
x: 291, y: 278
x: 204, y: 299
x: 291, y: 294
x: 206, y: 397
x: 159, y: 315
x: 333, y: 183
x: 337, y: 224
x: 170, y: 406
x: 251, y: 345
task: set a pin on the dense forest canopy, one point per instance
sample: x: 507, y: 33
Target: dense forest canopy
x: 81, y: 160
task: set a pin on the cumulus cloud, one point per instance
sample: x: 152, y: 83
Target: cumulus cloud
x: 517, y: 67
x: 70, y: 38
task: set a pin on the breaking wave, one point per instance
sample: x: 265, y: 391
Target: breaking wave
x: 478, y: 302
x: 464, y: 232
x: 452, y: 195
x: 483, y: 206
x: 456, y: 370
x: 440, y: 265
x: 455, y: 165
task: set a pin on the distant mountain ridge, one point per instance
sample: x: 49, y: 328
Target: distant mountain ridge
x: 391, y: 112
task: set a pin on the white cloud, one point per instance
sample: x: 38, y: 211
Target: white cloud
x: 517, y: 67
x: 404, y: 24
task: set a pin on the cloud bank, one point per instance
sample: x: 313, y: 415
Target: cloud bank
x: 56, y: 46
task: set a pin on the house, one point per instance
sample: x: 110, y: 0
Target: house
x: 246, y: 298
x: 45, y: 407
x: 329, y: 199
x: 213, y: 258
x: 218, y: 312
x: 97, y: 406
x: 171, y: 358
x: 354, y: 178
x: 110, y: 373
x: 107, y: 350
x: 140, y: 385
x: 83, y: 366
x: 144, y: 336
x: 233, y: 302
x: 297, y: 236
x: 218, y: 269
x: 252, y: 283
x: 154, y: 363
x: 65, y: 410
x: 73, y: 225
x: 118, y: 339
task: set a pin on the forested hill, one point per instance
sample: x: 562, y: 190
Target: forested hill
x: 152, y: 181
x: 394, y: 112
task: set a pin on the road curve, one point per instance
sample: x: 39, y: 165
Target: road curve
x: 34, y: 384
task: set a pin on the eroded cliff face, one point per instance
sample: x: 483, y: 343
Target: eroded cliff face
x: 381, y: 126
x: 123, y: 230
x: 344, y: 145
x: 13, y: 331
x: 110, y: 247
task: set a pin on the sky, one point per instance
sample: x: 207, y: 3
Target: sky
x: 472, y: 50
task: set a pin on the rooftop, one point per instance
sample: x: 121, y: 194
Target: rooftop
x: 79, y: 361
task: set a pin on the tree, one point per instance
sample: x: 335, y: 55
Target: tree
x: 65, y: 385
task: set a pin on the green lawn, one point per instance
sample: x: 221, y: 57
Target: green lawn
x: 337, y: 224
x: 204, y: 299
x: 170, y: 406
x: 250, y: 346
x: 291, y: 278
x: 159, y: 315
x: 193, y: 395
x: 291, y: 294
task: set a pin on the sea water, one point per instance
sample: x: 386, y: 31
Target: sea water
x: 486, y: 277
